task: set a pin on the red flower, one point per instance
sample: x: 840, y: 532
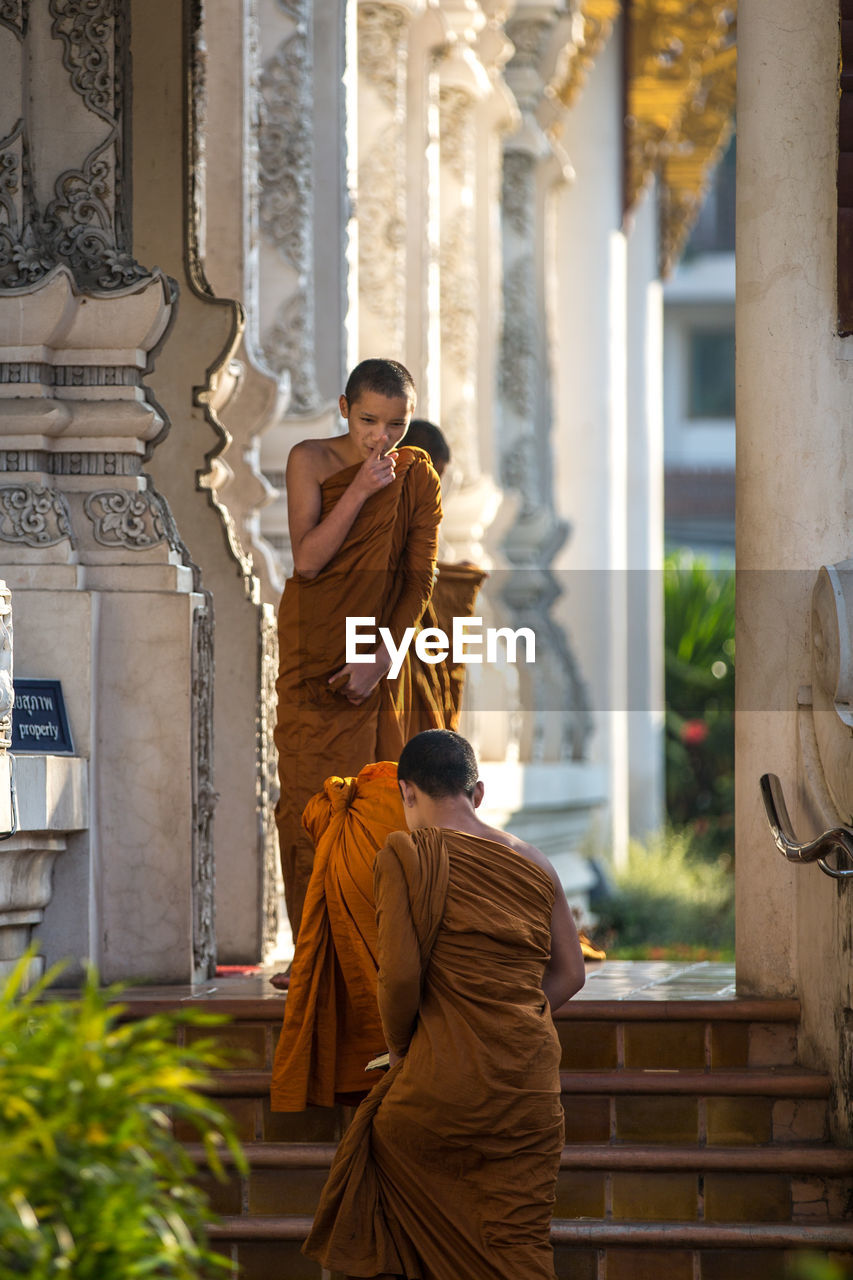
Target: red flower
x: 693, y: 732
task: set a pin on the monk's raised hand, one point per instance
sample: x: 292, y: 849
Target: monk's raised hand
x: 378, y: 469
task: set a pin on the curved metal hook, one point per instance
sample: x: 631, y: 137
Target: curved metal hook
x: 839, y: 840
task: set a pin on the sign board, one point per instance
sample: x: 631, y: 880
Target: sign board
x: 39, y: 722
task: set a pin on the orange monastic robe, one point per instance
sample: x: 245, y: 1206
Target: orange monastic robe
x: 437, y: 687
x: 331, y: 1019
x: 383, y: 570
x: 449, y: 1167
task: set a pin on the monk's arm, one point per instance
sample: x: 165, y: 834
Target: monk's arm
x: 415, y: 573
x: 398, y: 988
x: 564, y: 973
x: 417, y: 567
x: 316, y: 541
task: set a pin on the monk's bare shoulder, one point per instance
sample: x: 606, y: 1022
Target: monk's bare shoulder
x: 316, y: 460
x: 521, y: 847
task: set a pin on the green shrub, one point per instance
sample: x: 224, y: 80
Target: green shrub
x: 93, y: 1183
x: 669, y: 901
x: 699, y: 605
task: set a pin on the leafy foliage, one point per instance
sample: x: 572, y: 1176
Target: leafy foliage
x: 671, y: 901
x: 699, y: 604
x: 93, y: 1183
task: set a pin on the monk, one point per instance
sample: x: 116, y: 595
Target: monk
x: 331, y: 1019
x: 437, y: 687
x: 364, y: 522
x: 449, y: 1167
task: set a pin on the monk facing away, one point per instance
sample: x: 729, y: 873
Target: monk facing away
x: 363, y: 522
x: 437, y: 686
x: 450, y: 1165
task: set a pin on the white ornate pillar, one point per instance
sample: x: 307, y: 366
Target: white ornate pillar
x: 474, y: 110
x: 300, y: 133
x: 533, y: 164
x: 382, y: 195
x: 106, y: 597
x: 246, y: 400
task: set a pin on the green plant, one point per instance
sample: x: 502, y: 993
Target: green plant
x: 669, y: 899
x: 816, y: 1266
x: 93, y: 1182
x: 699, y: 607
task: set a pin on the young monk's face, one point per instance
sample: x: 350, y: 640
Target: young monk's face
x: 374, y: 419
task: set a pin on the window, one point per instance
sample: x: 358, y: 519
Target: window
x: 711, y: 373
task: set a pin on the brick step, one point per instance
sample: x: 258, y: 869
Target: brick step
x: 666, y: 1235
x: 799, y: 1159
x: 588, y: 1250
x: 768, y: 1082
x: 269, y: 1009
x: 612, y: 1183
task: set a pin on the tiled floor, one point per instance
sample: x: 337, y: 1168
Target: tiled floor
x: 607, y: 980
x: 658, y: 980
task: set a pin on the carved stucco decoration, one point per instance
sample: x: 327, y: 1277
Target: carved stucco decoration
x: 7, y: 693
x: 84, y: 224
x: 382, y: 231
x: 127, y: 518
x: 34, y: 515
x: 530, y: 37
x: 459, y: 294
x: 13, y: 14
x: 204, y: 793
x: 268, y: 781
x: 381, y: 49
x: 518, y: 191
x: 456, y: 130
x: 286, y: 206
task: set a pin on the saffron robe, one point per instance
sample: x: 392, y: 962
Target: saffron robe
x: 437, y: 687
x: 449, y: 1167
x: 331, y: 1023
x: 384, y: 570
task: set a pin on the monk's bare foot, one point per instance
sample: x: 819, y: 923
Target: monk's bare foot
x: 281, y: 981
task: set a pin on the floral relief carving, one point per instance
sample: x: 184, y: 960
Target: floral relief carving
x: 456, y: 130
x: 7, y: 692
x: 518, y: 191
x: 84, y: 224
x: 458, y: 267
x: 382, y: 231
x: 204, y: 793
x: 126, y: 518
x: 34, y: 515
x: 268, y: 778
x: 519, y: 361
x: 284, y: 150
x: 286, y: 206
x: 381, y: 28
x: 285, y: 345
x: 13, y: 14
x: 530, y: 38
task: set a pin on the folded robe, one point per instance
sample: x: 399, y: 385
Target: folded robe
x: 331, y: 1024
x: 450, y: 1165
x: 383, y: 570
x: 437, y: 687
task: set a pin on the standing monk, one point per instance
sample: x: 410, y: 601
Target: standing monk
x: 364, y: 523
x: 449, y: 1167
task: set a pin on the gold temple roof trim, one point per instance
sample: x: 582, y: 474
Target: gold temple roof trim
x: 598, y: 17
x: 681, y: 90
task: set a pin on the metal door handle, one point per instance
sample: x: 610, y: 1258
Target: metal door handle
x: 839, y: 840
